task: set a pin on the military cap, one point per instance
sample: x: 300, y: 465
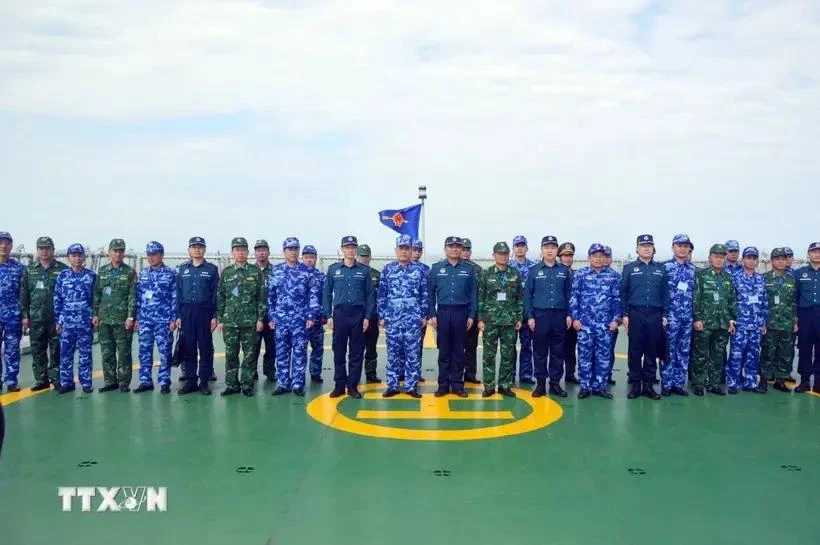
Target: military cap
x: 549, y: 239
x: 116, y: 244
x: 290, y: 242
x: 567, y: 248
x: 718, y: 249
x: 501, y: 248
x: 418, y: 244
x: 261, y: 243
x: 239, y: 242
x: 404, y: 240
x: 154, y: 247
x: 310, y: 250
x: 789, y: 251
x: 814, y: 246
x: 645, y: 239
x: 596, y: 247
x: 750, y: 251
x: 682, y: 238
x: 6, y: 236
x: 449, y: 241
x: 76, y: 249
x: 779, y: 252
x: 45, y: 242
x: 363, y: 251
x: 607, y: 251
x: 732, y: 246
x: 466, y: 243
x: 196, y: 241
x: 350, y: 241
x: 520, y: 239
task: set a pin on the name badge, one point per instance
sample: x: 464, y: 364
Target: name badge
x: 716, y: 296
x: 39, y: 285
x: 776, y: 299
x: 235, y: 292
x: 682, y: 286
x: 501, y: 296
x: 107, y: 290
x: 149, y: 294
x: 754, y: 299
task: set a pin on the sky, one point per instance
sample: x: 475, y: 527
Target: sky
x: 592, y: 121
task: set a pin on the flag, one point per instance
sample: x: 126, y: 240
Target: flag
x: 405, y: 221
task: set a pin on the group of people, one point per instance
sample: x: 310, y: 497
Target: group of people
x: 670, y: 311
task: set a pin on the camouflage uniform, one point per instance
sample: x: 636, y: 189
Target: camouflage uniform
x: 371, y: 336
x: 11, y: 329
x: 778, y: 343
x: 73, y: 299
x: 37, y: 302
x: 715, y: 304
x: 316, y: 335
x: 500, y: 307
x: 471, y: 338
x: 114, y: 303
x: 752, y: 315
x: 681, y: 287
x: 418, y: 244
x: 268, y: 336
x: 525, y: 357
x: 240, y: 304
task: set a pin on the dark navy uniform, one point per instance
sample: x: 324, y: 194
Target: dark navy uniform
x: 453, y: 293
x: 807, y: 280
x: 196, y: 296
x: 645, y: 301
x: 546, y: 300
x: 348, y: 299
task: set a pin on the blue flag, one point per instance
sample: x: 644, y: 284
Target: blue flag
x: 405, y: 221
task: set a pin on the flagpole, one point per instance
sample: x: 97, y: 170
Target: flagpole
x: 422, y: 198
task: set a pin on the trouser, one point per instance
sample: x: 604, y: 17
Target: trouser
x: 645, y: 331
x: 45, y: 352
x: 115, y: 349
x: 471, y: 352
x: 525, y: 356
x: 161, y: 334
x: 499, y: 338
x: 809, y: 343
x: 744, y: 353
x: 291, y: 353
x: 371, y: 338
x: 316, y: 340
x: 236, y: 337
x: 197, y: 337
x: 614, y: 335
x: 269, y: 357
x: 451, y: 327
x: 403, y: 352
x: 678, y: 347
x: 548, y: 343
x: 708, y: 351
x: 10, y: 335
x: 79, y: 339
x: 348, y: 345
x: 775, y: 361
x: 570, y: 356
x: 593, y: 357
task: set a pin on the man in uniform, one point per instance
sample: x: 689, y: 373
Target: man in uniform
x: 522, y: 264
x: 715, y: 313
x: 37, y: 302
x: 546, y: 308
x: 645, y: 305
x: 778, y: 343
x: 808, y: 320
x: 595, y: 308
x: 73, y: 301
x: 348, y: 302
x: 316, y: 335
x: 608, y: 265
x: 566, y: 255
x: 371, y: 336
x: 752, y: 316
x: 197, y: 283
x: 240, y: 312
x: 114, y: 313
x: 293, y: 307
x: 402, y: 309
x: 11, y: 329
x: 733, y: 265
x: 680, y: 274
x: 789, y: 261
x: 500, y: 308
x: 415, y: 256
x: 261, y: 252
x: 452, y: 311
x: 471, y: 338
x: 157, y: 315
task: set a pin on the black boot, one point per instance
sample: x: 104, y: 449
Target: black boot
x: 109, y: 388
x: 189, y: 388
x: 506, y: 392
x: 339, y: 390
x: 677, y: 390
x: 781, y: 385
x: 556, y: 390
x: 649, y: 391
x: 804, y: 386
x: 540, y: 389
x: 634, y: 391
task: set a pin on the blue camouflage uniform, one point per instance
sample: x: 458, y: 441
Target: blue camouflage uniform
x: 293, y: 299
x: 596, y: 303
x: 752, y: 316
x: 402, y: 304
x: 681, y: 289
x: 11, y: 329
x: 156, y: 296
x: 316, y: 335
x: 736, y: 268
x: 525, y: 356
x: 73, y: 299
x: 789, y: 270
x: 417, y: 244
x: 608, y: 253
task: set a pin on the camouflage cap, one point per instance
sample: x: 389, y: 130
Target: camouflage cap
x: 5, y: 235
x: 45, y: 242
x: 290, y: 242
x: 683, y: 238
x: 750, y: 251
x: 154, y: 247
x: 308, y: 249
x: 261, y: 243
x: 363, y: 251
x: 466, y: 243
x: 418, y: 244
x: 778, y: 252
x: 814, y: 246
x: 116, y: 244
x: 519, y: 239
x: 501, y: 248
x: 239, y: 242
x: 732, y: 246
x: 789, y: 251
x: 607, y: 251
x: 404, y: 240
x: 567, y: 248
x: 595, y: 247
x: 76, y: 249
x: 718, y: 249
